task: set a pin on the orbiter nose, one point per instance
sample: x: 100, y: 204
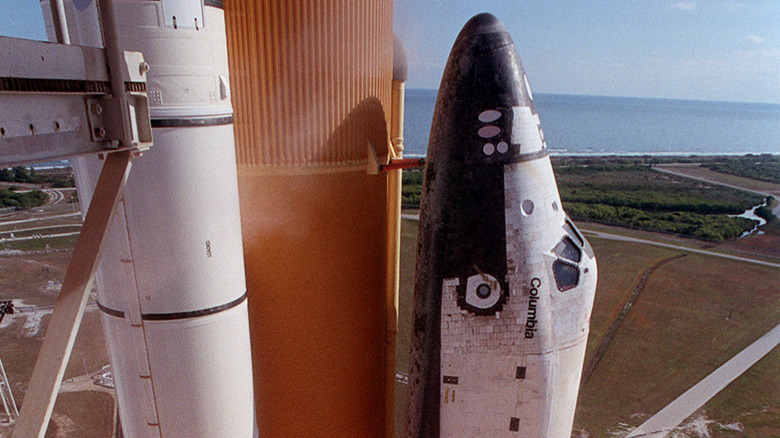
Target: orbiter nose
x: 481, y: 24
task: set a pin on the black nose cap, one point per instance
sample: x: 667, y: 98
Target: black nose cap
x: 481, y: 24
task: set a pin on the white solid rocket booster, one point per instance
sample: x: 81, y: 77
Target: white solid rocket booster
x: 171, y: 284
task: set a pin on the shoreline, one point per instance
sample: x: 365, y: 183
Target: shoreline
x: 670, y: 155
x: 658, y: 99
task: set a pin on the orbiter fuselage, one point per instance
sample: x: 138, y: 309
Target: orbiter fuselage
x: 504, y: 283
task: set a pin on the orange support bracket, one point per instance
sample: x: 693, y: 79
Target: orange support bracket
x: 402, y: 163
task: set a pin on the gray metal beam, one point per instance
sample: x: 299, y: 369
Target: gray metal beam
x: 57, y: 345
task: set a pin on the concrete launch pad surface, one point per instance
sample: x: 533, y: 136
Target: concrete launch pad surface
x: 32, y: 279
x: 662, y: 423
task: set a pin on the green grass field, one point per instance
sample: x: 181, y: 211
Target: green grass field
x: 40, y: 222
x: 44, y: 231
x: 694, y: 314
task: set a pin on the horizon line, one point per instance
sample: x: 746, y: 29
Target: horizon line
x: 631, y: 97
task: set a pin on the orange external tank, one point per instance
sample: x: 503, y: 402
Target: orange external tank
x: 311, y: 89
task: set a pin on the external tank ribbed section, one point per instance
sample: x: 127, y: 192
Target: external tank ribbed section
x: 311, y: 90
x: 301, y: 71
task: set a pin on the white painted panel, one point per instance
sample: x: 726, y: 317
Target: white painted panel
x: 127, y: 351
x: 182, y: 208
x: 213, y: 372
x: 183, y: 14
x: 525, y: 130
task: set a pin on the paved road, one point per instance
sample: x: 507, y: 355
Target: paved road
x: 50, y: 227
x: 610, y: 236
x: 55, y: 196
x: 38, y: 236
x: 685, y: 175
x: 39, y: 219
x: 758, y: 192
x: 662, y: 423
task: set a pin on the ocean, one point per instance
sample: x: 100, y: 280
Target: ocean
x: 600, y: 125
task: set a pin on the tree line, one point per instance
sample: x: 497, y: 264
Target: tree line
x: 763, y: 167
x: 27, y: 199
x: 629, y: 193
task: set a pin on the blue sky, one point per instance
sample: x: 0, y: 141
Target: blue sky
x: 22, y: 19
x: 690, y: 49
x: 704, y: 50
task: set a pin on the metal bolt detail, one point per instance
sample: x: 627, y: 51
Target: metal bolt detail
x: 143, y: 68
x: 100, y: 132
x: 97, y: 109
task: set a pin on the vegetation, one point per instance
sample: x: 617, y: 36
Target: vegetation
x: 633, y: 195
x: 11, y: 196
x: 765, y: 167
x: 20, y: 174
x: 625, y: 191
x: 714, y: 227
x: 766, y: 213
x: 27, y: 199
x: 60, y: 182
x: 29, y: 175
x: 651, y: 199
x: 412, y: 188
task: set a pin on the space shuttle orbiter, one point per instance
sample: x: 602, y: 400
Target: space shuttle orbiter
x: 505, y: 283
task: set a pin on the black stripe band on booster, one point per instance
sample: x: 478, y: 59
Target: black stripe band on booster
x: 185, y: 122
x: 220, y: 4
x: 177, y: 315
x: 109, y: 311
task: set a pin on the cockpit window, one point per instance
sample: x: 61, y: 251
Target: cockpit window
x: 566, y: 275
x: 568, y: 250
x: 572, y: 230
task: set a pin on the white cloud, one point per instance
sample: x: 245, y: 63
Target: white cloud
x: 755, y: 39
x: 732, y: 5
x: 684, y: 6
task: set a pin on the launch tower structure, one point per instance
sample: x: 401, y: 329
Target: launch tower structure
x: 309, y: 210
x: 59, y: 101
x: 9, y: 404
